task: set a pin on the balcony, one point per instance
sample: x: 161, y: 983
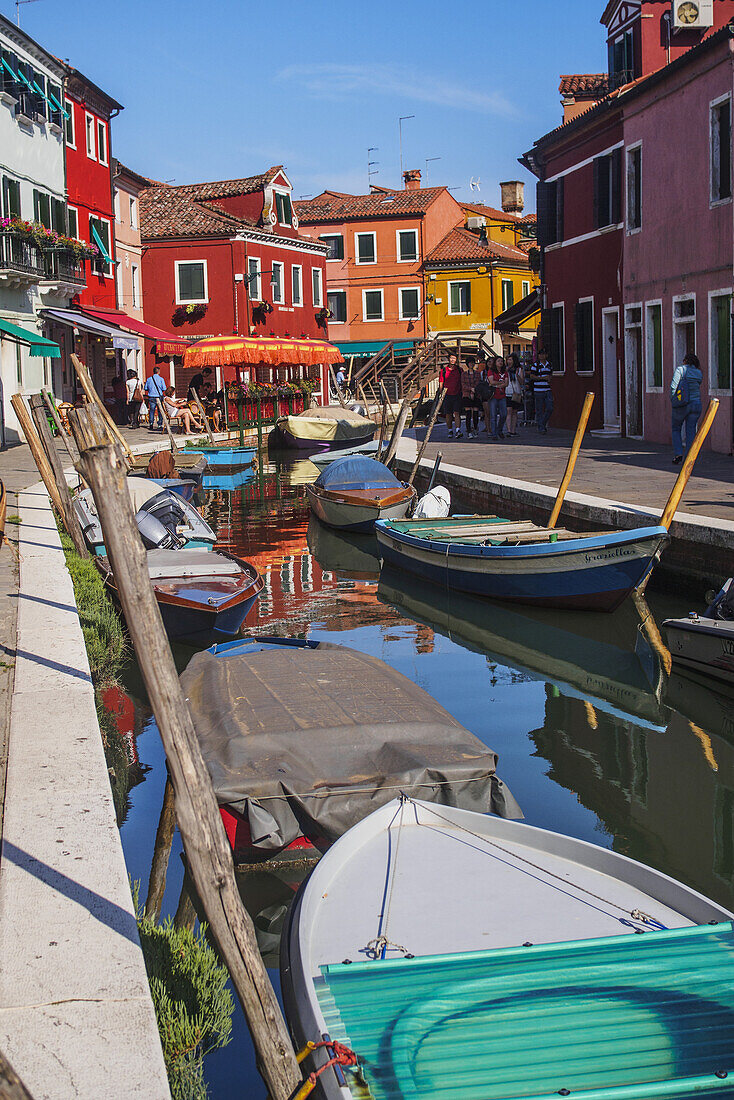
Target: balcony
x: 21, y: 259
x: 63, y: 266
x: 619, y: 78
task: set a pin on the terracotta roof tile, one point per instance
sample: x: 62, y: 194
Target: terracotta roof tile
x: 382, y: 203
x: 584, y: 84
x: 171, y: 212
x: 220, y: 189
x: 463, y: 245
x: 490, y: 212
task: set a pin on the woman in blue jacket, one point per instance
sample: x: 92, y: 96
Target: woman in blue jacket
x: 689, y: 374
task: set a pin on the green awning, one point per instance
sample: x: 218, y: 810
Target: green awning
x: 369, y: 347
x: 38, y: 344
x: 101, y: 245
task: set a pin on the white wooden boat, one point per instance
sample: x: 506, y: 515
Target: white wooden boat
x: 355, y: 491
x: 705, y: 643
x: 463, y: 956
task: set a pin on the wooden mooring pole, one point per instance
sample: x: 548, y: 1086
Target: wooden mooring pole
x: 575, y: 448
x: 93, y: 397
x: 207, y: 850
x: 204, y: 417
x: 161, y: 854
x: 68, y: 514
x: 397, y: 431
x: 11, y: 1086
x: 434, y: 417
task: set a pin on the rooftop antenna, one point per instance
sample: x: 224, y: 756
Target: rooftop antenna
x: 372, y: 169
x: 17, y: 8
x: 401, y: 120
x: 474, y: 184
x: 429, y: 161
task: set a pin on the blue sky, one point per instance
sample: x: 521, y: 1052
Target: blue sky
x: 226, y: 88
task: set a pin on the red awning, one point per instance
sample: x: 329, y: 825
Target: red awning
x: 168, y: 344
x: 216, y: 351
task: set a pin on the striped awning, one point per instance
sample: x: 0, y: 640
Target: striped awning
x: 217, y: 351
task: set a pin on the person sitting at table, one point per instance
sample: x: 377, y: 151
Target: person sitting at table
x: 210, y: 401
x: 178, y: 412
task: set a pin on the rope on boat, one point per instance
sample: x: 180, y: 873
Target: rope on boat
x: 341, y: 1055
x: 381, y: 943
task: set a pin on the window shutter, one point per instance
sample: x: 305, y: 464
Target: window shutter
x: 58, y: 216
x: 616, y: 185
x: 597, y: 192
x: 543, y: 201
x: 560, y: 189
x: 725, y: 148
x: 546, y: 330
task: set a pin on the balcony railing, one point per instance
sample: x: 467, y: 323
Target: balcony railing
x: 65, y: 266
x: 618, y: 79
x: 21, y: 255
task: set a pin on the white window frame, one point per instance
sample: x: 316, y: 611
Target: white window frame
x: 503, y: 283
x: 257, y: 294
x: 120, y: 288
x: 713, y: 104
x: 564, y: 335
x: 297, y: 268
x: 629, y: 326
x: 281, y: 300
x: 135, y: 286
x: 649, y: 350
x: 117, y: 205
x: 76, y: 214
x: 373, y: 290
x: 283, y: 191
x: 317, y: 278
x: 338, y: 290
x: 525, y: 287
x: 70, y: 120
x: 586, y: 373
x: 631, y: 230
x: 110, y: 242
x: 714, y: 390
x: 102, y: 129
x: 458, y: 312
x: 365, y: 263
x: 87, y: 119
x: 133, y: 212
x: 400, y: 260
x: 334, y: 259
x: 191, y: 301
x: 680, y: 321
x: 401, y: 314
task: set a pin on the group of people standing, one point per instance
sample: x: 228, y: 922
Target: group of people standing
x: 130, y: 395
x: 497, y: 389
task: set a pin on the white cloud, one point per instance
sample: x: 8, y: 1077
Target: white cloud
x: 333, y: 81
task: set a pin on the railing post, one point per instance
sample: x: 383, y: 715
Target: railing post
x: 259, y: 427
x: 240, y: 420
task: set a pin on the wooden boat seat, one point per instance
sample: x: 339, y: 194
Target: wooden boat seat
x: 189, y: 563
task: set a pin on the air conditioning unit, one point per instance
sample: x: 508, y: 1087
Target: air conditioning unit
x: 476, y: 222
x: 692, y: 15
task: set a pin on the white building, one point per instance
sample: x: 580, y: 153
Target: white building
x: 34, y: 273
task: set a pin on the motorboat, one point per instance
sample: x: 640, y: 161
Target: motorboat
x: 203, y: 596
x: 355, y: 491
x: 185, y: 487
x: 325, y: 457
x: 705, y: 643
x: 439, y: 952
x: 523, y: 562
x: 322, y: 428
x: 165, y: 520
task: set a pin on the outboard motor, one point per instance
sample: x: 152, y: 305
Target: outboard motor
x: 721, y: 607
x: 154, y: 535
x: 358, y: 407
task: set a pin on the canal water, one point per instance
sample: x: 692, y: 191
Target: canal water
x: 594, y: 738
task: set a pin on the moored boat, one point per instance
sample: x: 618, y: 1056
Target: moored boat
x: 705, y: 643
x: 355, y: 491
x: 323, y: 458
x: 184, y: 487
x: 165, y: 520
x: 322, y: 428
x: 454, y: 954
x: 203, y: 596
x: 225, y: 458
x: 523, y: 562
x: 193, y: 463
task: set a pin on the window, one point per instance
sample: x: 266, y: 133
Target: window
x: 42, y: 208
x: 58, y: 216
x: 460, y: 297
x: 720, y: 341
x: 410, y: 306
x: 316, y: 286
x: 721, y: 150
x: 102, y: 142
x: 297, y: 285
x: 372, y: 305
x: 550, y: 212
x: 116, y: 205
x: 119, y: 282
x: 9, y: 83
x: 525, y: 288
x: 365, y: 248
x: 133, y: 212
x: 336, y: 301
x: 684, y: 327
x: 276, y: 282
x: 191, y: 281
x: 583, y: 337
x: 253, y: 279
x: 135, y: 286
x: 634, y: 188
x: 508, y: 294
x: 11, y: 198
x: 335, y: 242
x: 622, y: 60
x: 89, y: 122
x: 38, y: 95
x: 55, y: 114
x: 608, y: 189
x: 552, y: 329
x: 70, y: 130
x: 654, y: 345
x: 283, y: 208
x: 99, y: 234
x: 26, y: 95
x: 73, y: 222
x: 407, y: 245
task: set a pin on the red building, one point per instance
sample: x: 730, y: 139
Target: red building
x: 227, y: 258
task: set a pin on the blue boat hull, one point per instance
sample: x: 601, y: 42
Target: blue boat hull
x: 593, y: 574
x: 230, y: 458
x: 204, y: 626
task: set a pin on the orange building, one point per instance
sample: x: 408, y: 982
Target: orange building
x: 377, y: 247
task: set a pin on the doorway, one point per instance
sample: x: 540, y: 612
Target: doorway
x: 633, y: 371
x: 610, y: 368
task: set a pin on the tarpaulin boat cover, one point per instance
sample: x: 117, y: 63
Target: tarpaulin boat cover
x: 311, y: 738
x: 327, y: 423
x: 357, y: 472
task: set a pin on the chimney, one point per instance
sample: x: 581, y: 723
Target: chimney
x: 412, y: 179
x: 513, y: 197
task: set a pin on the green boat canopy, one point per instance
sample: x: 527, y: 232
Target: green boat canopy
x: 39, y: 345
x: 361, y: 348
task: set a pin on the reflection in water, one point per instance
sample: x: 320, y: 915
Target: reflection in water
x: 592, y: 737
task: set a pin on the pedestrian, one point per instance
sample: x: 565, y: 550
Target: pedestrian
x: 134, y: 398
x: 198, y: 380
x: 119, y: 392
x: 685, y: 397
x: 155, y: 387
x: 514, y: 392
x: 483, y: 391
x: 498, y: 379
x: 450, y: 380
x: 540, y: 376
x: 341, y: 381
x: 470, y: 379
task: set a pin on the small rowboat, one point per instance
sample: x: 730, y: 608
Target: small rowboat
x: 704, y: 644
x: 203, y: 596
x: 355, y: 491
x: 323, y: 459
x: 193, y: 463
x: 523, y: 562
x: 225, y: 458
x: 458, y: 955
x: 324, y: 428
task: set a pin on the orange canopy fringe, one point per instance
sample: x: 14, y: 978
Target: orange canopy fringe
x: 219, y: 351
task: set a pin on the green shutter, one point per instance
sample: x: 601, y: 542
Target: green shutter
x: 455, y: 300
x: 657, y: 346
x: 723, y: 342
x: 58, y: 216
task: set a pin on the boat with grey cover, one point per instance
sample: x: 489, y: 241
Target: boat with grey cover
x: 459, y: 956
x: 705, y: 643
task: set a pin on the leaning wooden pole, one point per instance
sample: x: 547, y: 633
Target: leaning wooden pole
x: 39, y: 455
x: 204, y: 417
x: 207, y: 851
x: 68, y: 514
x: 161, y: 854
x: 54, y: 414
x: 431, y: 424
x: 167, y: 426
x: 689, y: 462
x: 337, y: 387
x: 397, y: 431
x: 575, y: 448
x: 383, y: 427
x: 86, y: 382
x: 11, y: 1086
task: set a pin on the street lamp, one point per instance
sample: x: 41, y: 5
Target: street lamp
x: 401, y: 120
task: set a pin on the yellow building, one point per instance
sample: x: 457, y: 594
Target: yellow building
x: 471, y: 279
